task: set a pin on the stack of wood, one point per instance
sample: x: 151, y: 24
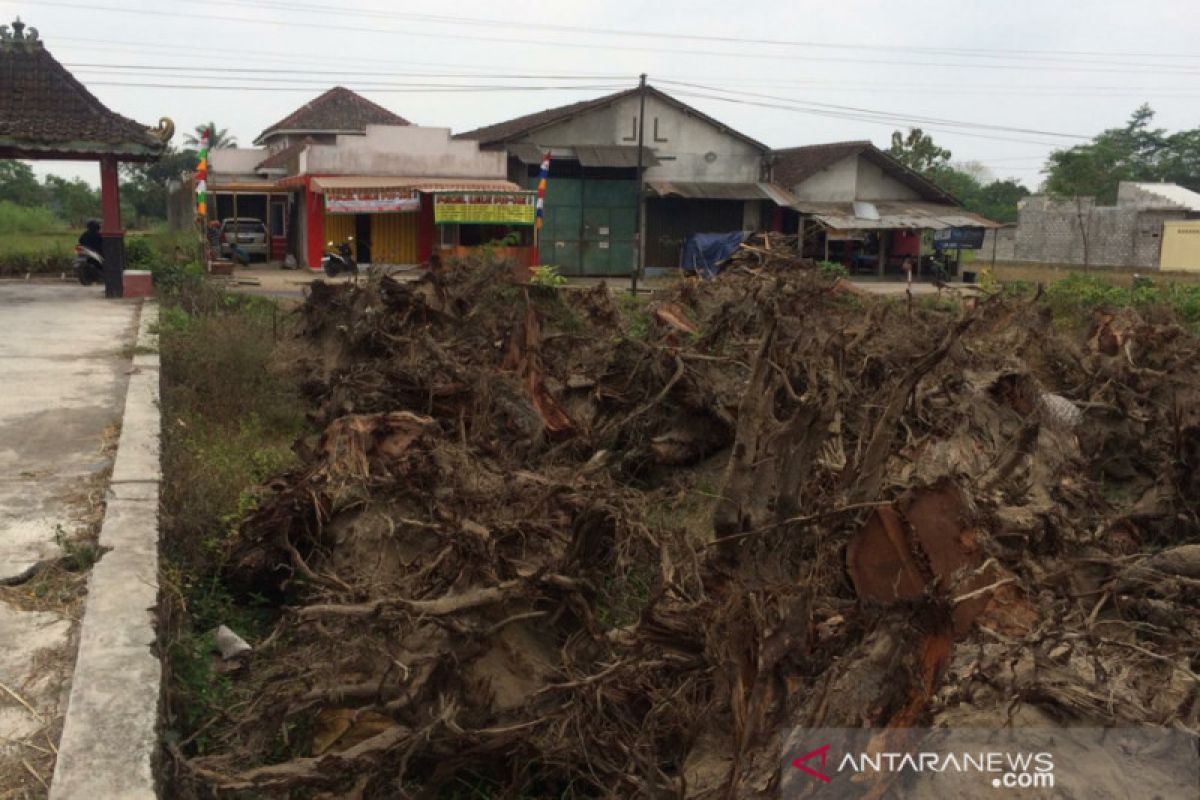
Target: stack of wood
x: 769, y: 251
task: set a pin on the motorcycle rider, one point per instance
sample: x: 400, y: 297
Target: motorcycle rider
x: 91, y: 238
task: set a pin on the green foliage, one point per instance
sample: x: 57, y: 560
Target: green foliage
x: 635, y: 319
x: 1135, y: 152
x: 146, y: 185
x: 547, y: 275
x: 139, y: 253
x: 1079, y: 295
x: 218, y: 138
x: 73, y: 201
x: 231, y: 411
x: 917, y: 151
x: 18, y: 184
x: 32, y: 240
x: 79, y: 555
x: 15, y: 218
x: 970, y: 182
x: 832, y: 269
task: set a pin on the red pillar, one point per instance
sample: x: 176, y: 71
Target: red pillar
x: 315, y: 222
x: 426, y: 229
x: 110, y: 228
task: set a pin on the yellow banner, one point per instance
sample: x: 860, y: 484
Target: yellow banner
x: 484, y: 208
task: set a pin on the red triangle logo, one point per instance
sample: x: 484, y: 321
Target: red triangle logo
x: 799, y: 764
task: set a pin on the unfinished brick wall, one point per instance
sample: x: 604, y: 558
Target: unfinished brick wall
x: 1052, y: 231
x: 1005, y: 244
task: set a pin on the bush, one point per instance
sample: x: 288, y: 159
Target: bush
x: 28, y: 219
x: 231, y: 411
x: 832, y: 269
x: 1081, y: 294
x: 139, y: 253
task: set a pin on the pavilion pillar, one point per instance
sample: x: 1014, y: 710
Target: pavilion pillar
x: 110, y: 228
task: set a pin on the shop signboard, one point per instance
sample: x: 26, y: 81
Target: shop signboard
x: 963, y: 238
x: 484, y: 208
x: 372, y: 202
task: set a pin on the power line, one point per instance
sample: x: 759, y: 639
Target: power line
x: 659, y: 35
x: 723, y: 85
x: 153, y: 68
x: 890, y: 115
x: 856, y: 117
x: 715, y: 80
x: 390, y: 89
x: 327, y: 27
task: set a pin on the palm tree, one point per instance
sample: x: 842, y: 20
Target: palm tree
x: 217, y: 137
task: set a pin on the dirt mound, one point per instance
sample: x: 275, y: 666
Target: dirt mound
x: 568, y: 543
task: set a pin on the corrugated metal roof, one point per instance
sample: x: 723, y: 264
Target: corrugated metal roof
x: 613, y: 155
x: 525, y: 152
x: 338, y: 183
x: 695, y: 190
x: 893, y: 214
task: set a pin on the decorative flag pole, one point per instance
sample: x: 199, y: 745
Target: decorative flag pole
x: 540, y: 217
x: 202, y: 178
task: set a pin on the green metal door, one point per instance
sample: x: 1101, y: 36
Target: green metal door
x: 610, y: 210
x: 589, y: 225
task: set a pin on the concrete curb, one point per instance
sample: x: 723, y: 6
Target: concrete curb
x: 110, y: 736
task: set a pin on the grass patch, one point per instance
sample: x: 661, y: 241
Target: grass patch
x: 635, y: 316
x: 231, y: 411
x: 1078, y: 296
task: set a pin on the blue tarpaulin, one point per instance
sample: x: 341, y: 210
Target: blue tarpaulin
x: 706, y: 253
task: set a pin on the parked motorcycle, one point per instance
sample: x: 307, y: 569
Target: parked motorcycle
x: 335, y: 262
x: 89, y: 265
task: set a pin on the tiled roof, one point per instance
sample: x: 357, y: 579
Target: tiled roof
x: 44, y: 108
x: 336, y: 111
x: 794, y: 165
x: 502, y: 132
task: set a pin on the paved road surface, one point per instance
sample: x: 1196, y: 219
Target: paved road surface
x: 63, y: 362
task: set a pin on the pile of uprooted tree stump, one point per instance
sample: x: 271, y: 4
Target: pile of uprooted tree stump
x: 564, y: 543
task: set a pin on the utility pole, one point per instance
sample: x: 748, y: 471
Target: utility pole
x: 641, y: 192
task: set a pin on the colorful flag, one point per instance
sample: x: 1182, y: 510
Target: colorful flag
x: 202, y: 177
x: 541, y: 191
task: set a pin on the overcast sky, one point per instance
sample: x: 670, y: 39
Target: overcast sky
x: 1042, y: 66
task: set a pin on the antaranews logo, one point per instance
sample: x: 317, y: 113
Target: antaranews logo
x: 835, y: 763
x: 1008, y: 769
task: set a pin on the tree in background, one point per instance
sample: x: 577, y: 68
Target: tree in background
x: 73, y: 201
x: 218, y: 138
x: 146, y: 185
x: 1135, y: 152
x: 971, y: 182
x: 918, y: 152
x: 19, y: 185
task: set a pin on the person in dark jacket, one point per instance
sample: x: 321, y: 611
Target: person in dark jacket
x: 91, y: 238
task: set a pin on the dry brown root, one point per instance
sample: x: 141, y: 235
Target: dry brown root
x: 549, y: 544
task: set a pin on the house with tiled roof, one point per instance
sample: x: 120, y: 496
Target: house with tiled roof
x: 336, y: 112
x: 857, y: 205
x: 700, y: 175
x: 342, y: 167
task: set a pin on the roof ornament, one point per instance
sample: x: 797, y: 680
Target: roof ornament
x: 18, y: 33
x: 164, y: 131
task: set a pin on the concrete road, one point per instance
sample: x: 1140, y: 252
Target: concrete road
x: 64, y: 357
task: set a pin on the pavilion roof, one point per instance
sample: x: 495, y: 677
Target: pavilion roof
x: 45, y: 111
